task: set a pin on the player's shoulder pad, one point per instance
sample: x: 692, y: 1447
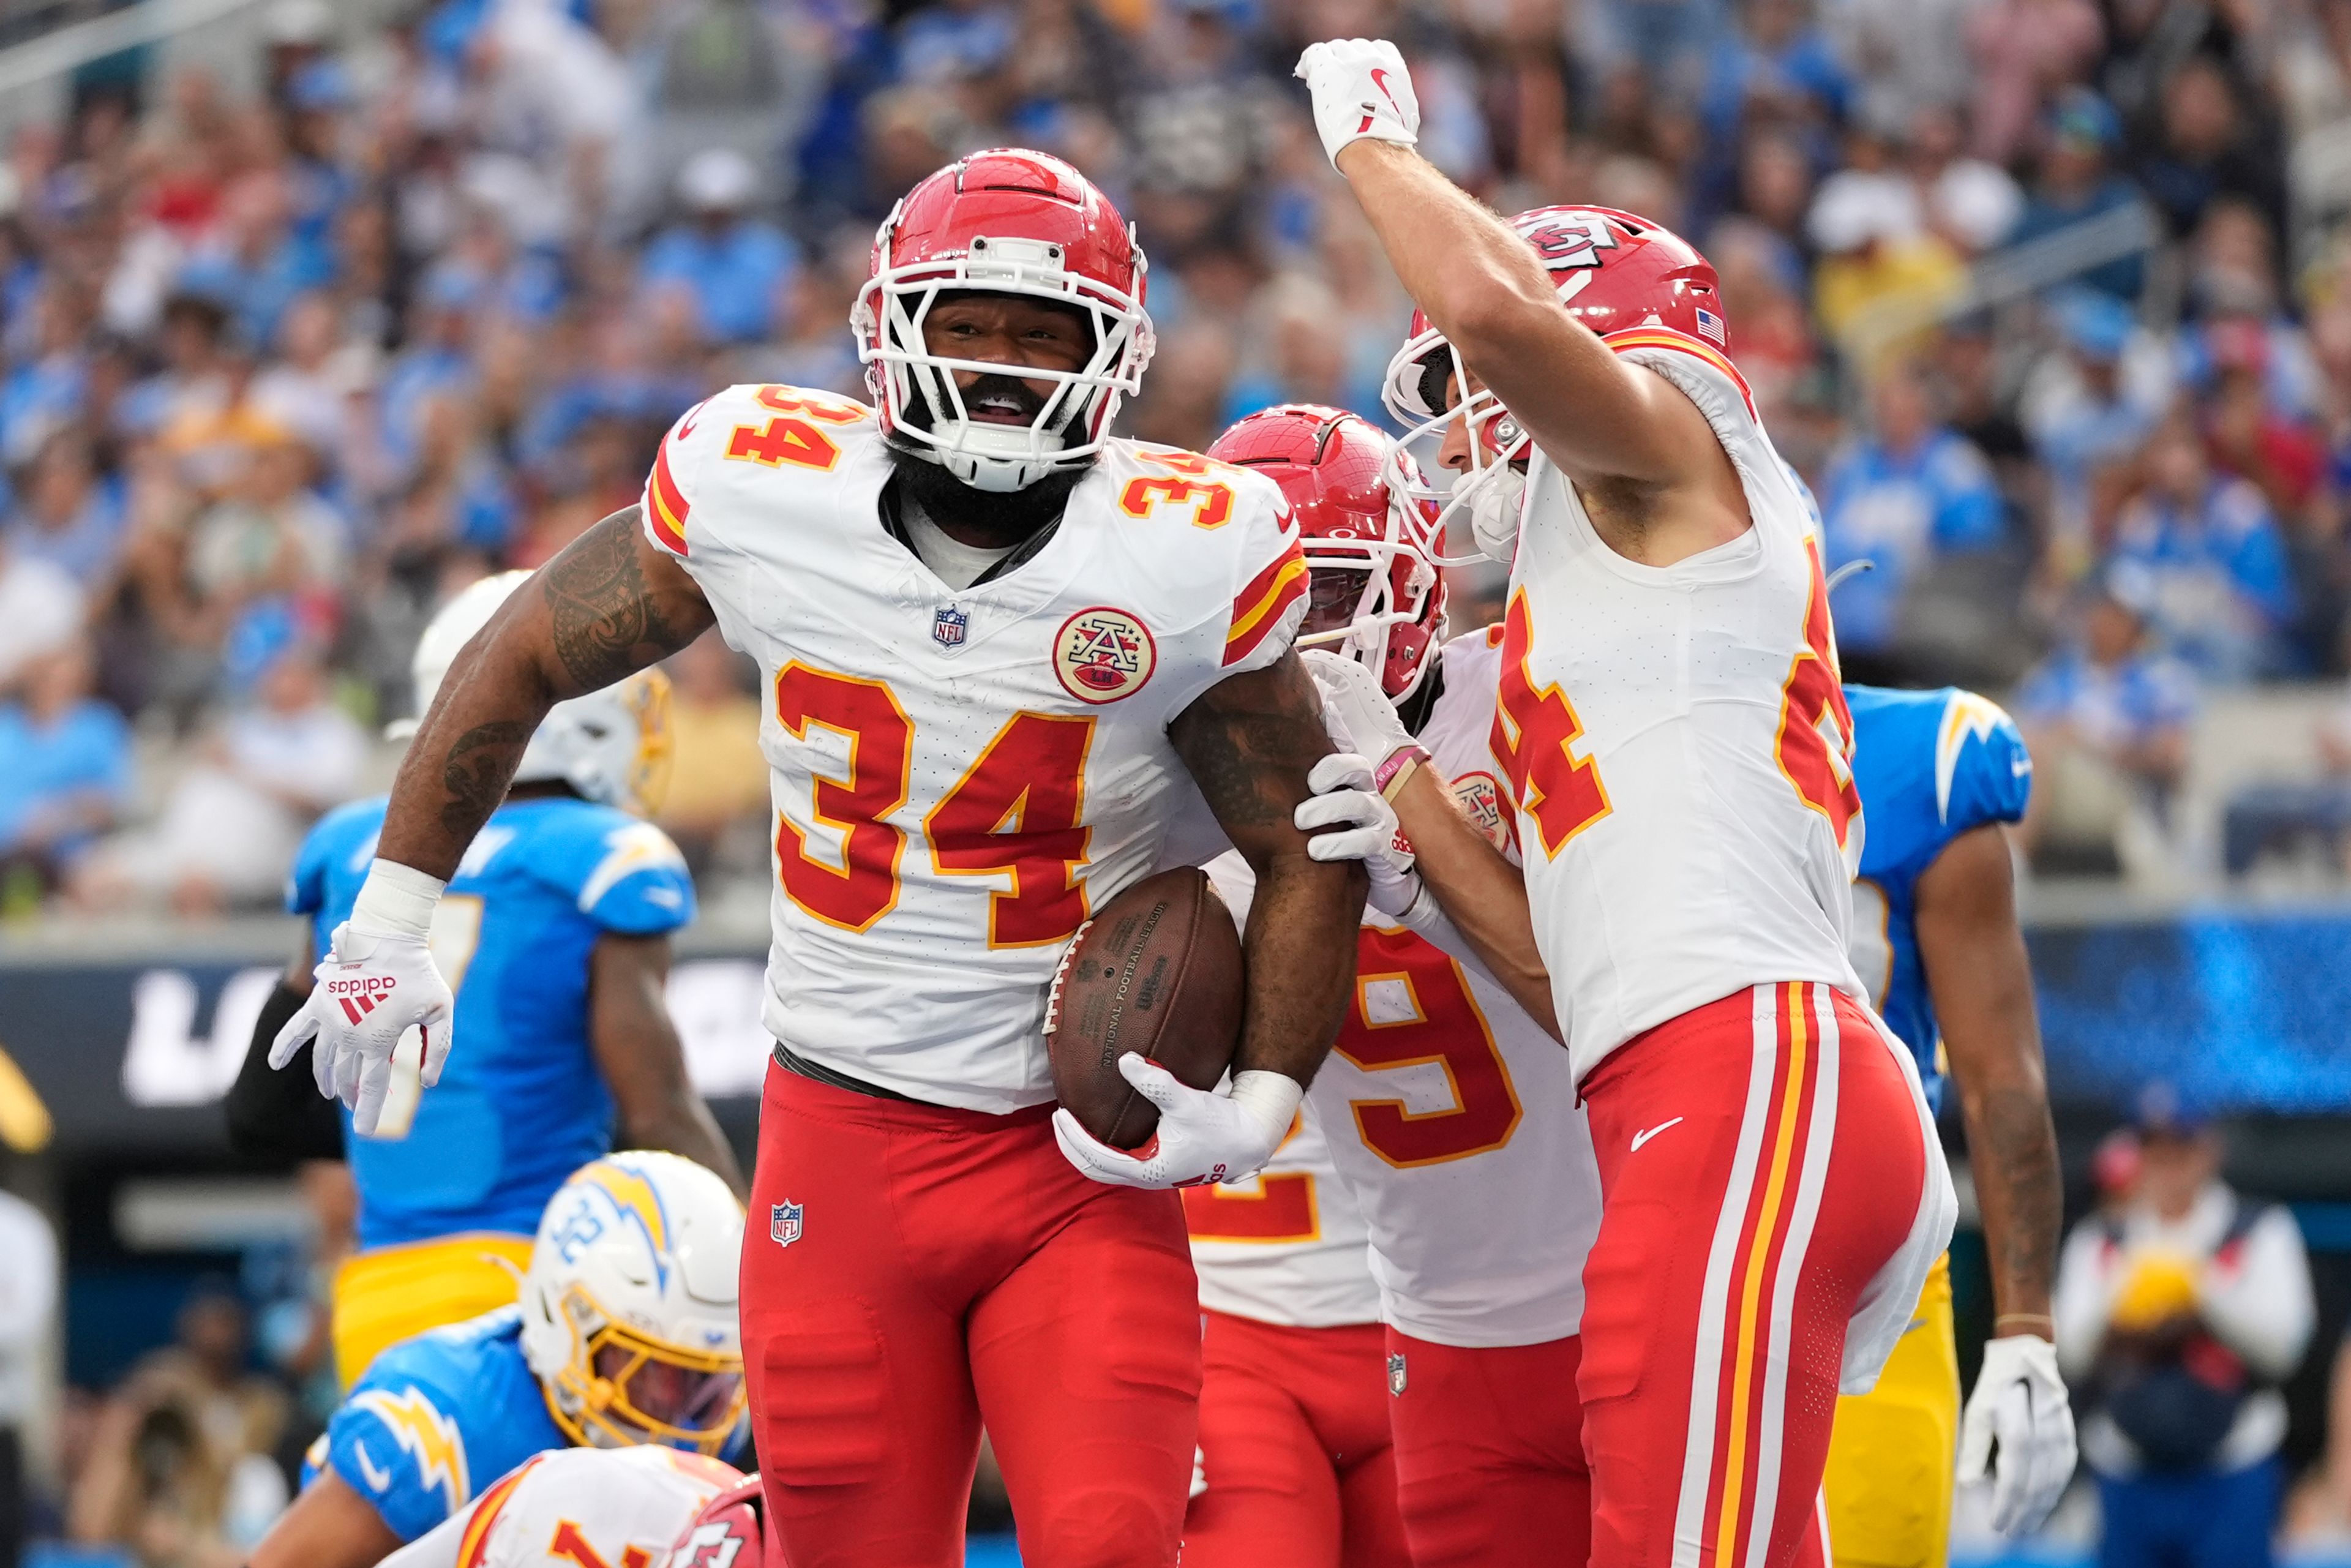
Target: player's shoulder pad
x: 1982, y: 771
x: 345, y: 837
x: 1221, y: 543
x: 1473, y: 661
x: 621, y: 871
x: 1701, y: 369
x: 763, y: 430
x: 399, y: 1437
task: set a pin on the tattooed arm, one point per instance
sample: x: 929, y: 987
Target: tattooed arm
x: 1249, y: 743
x: 1982, y: 983
x: 606, y: 607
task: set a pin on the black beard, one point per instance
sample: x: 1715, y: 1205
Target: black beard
x: 992, y: 519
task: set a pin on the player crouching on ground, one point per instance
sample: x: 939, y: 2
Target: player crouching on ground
x: 1446, y: 1118
x: 626, y: 1333
x: 1678, y: 747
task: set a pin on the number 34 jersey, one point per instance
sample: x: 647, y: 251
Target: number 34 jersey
x: 1449, y: 1115
x: 959, y: 775
x: 1677, y: 744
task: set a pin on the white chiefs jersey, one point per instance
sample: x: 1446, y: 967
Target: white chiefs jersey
x: 620, y: 1507
x: 1288, y: 1245
x: 959, y: 774
x: 1677, y: 744
x: 1450, y: 1117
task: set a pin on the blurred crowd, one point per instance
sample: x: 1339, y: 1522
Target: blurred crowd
x: 2046, y: 298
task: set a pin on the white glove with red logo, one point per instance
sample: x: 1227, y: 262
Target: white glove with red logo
x: 1204, y: 1136
x: 1350, y: 822
x: 376, y: 982
x: 1360, y: 88
x: 2020, y: 1402
x: 1355, y: 708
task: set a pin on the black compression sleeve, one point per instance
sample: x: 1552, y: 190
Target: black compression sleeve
x: 280, y: 1118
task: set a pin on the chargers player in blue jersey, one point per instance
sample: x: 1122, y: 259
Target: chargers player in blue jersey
x: 1935, y: 939
x: 556, y: 939
x: 627, y: 1332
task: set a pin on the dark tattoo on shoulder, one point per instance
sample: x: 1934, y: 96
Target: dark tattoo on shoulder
x: 607, y: 621
x: 475, y: 771
x: 1249, y: 741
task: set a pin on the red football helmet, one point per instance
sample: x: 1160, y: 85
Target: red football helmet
x: 727, y: 1533
x: 1007, y: 221
x: 1371, y: 551
x: 1613, y: 271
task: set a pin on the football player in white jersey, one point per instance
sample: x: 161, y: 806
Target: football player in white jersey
x: 610, y: 1507
x: 1450, y: 1111
x: 1678, y: 747
x: 1002, y: 651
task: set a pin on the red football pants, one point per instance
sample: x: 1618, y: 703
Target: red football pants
x: 1294, y: 1450
x: 952, y: 1268
x: 1490, y: 1453
x: 1760, y: 1159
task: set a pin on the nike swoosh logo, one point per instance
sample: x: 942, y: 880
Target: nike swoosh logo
x: 378, y: 1478
x: 1380, y: 80
x: 1640, y: 1138
x: 2018, y: 766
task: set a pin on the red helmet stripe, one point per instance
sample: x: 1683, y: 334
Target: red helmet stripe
x: 1260, y: 606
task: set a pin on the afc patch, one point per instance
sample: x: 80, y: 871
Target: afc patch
x: 1481, y: 797
x: 950, y: 626
x: 1395, y: 1373
x: 1102, y: 654
x: 784, y: 1223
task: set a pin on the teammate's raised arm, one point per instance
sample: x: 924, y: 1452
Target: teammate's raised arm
x: 1249, y: 743
x: 606, y: 607
x: 1659, y: 483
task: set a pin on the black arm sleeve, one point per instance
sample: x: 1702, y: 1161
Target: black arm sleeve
x: 280, y: 1118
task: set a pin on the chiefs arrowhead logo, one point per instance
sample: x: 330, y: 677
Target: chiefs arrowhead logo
x: 360, y: 995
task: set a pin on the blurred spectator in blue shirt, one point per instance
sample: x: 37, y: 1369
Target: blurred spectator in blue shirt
x: 2211, y: 558
x: 2108, y: 720
x: 438, y: 357
x: 49, y: 375
x: 1910, y: 491
x: 735, y: 266
x: 68, y: 773
x: 64, y: 514
x: 2077, y: 184
x: 2084, y: 415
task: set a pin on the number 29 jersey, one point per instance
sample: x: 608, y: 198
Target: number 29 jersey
x: 959, y: 775
x: 1676, y: 744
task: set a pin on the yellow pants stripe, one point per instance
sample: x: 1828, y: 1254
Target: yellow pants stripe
x: 398, y: 1293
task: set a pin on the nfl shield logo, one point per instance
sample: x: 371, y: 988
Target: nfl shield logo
x: 949, y: 626
x: 1395, y: 1373
x: 784, y: 1223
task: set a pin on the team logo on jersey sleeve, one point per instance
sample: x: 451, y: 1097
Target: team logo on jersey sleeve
x: 1479, y: 796
x: 950, y: 626
x: 1103, y: 654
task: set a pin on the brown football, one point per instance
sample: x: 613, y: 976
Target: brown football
x: 1156, y: 971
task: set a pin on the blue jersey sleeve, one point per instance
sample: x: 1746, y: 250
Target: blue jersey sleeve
x: 337, y: 834
x: 1984, y: 773
x: 396, y: 1442
x: 623, y: 874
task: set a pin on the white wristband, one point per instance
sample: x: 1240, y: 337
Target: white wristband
x: 1272, y: 1098
x: 395, y: 900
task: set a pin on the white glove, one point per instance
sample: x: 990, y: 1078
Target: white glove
x: 1355, y: 707
x: 1350, y: 823
x: 1498, y: 497
x: 1203, y: 1136
x: 1360, y: 88
x: 2019, y: 1402
x: 376, y: 982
